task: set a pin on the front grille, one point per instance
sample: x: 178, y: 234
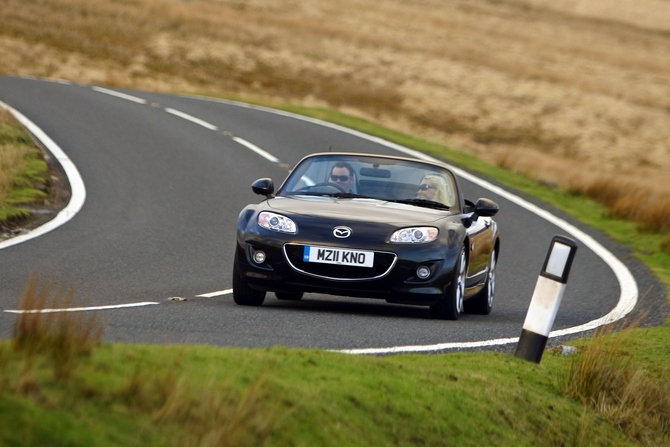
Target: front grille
x: 384, y: 261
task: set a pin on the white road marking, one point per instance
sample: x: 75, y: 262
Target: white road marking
x: 120, y: 95
x: 213, y: 294
x: 431, y: 348
x: 195, y: 120
x: 76, y: 183
x: 81, y: 309
x: 257, y: 149
x: 192, y: 119
x: 55, y: 80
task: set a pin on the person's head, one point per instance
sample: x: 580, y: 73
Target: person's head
x: 342, y: 174
x: 434, y: 187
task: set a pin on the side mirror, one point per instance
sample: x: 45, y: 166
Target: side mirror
x: 486, y: 208
x: 263, y: 187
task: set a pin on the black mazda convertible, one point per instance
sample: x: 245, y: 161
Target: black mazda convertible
x: 373, y: 226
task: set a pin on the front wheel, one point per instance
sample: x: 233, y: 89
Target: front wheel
x: 482, y: 303
x: 242, y: 293
x: 450, y: 306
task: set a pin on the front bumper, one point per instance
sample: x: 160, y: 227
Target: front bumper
x: 394, y: 280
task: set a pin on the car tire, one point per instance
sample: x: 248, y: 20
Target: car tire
x: 289, y: 296
x: 482, y: 303
x: 242, y: 293
x: 450, y: 306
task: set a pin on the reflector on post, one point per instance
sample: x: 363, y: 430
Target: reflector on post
x: 559, y: 259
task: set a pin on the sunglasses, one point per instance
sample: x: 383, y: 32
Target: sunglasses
x: 424, y: 186
x: 339, y: 178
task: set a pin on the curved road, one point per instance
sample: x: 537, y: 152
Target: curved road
x: 165, y: 179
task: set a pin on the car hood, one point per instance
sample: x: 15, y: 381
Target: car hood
x: 366, y: 210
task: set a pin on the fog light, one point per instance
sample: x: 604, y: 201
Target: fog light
x: 259, y: 257
x: 423, y: 272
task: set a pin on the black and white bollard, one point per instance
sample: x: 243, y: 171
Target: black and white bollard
x: 546, y: 299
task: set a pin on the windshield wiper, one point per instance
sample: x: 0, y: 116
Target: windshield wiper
x: 337, y: 195
x: 350, y: 195
x: 423, y: 202
x: 305, y: 193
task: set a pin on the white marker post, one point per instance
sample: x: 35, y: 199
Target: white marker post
x: 546, y: 299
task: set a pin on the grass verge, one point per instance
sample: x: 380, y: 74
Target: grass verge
x: 23, y: 170
x: 631, y: 394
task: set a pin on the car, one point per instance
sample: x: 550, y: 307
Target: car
x: 373, y: 226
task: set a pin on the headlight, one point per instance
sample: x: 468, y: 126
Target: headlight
x: 277, y: 222
x: 415, y: 235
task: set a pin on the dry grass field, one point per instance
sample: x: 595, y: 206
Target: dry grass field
x: 572, y: 92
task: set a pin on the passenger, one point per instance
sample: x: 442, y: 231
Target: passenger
x: 434, y: 187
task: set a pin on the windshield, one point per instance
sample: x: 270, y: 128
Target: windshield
x: 354, y: 176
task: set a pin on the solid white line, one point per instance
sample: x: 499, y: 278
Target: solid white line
x: 257, y: 149
x: 213, y: 294
x: 81, y: 309
x: 76, y: 183
x: 192, y: 119
x: 430, y: 348
x: 629, y: 291
x: 120, y: 95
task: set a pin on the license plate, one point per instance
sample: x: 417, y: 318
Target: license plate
x: 339, y: 256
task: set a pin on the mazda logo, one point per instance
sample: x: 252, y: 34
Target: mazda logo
x: 342, y: 232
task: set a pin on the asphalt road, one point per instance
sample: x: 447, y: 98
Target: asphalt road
x: 165, y: 179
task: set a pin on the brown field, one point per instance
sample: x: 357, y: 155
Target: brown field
x: 572, y: 92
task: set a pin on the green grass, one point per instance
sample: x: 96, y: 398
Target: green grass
x: 140, y: 395
x: 197, y: 395
x: 22, y: 167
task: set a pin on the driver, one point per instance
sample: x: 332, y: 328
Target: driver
x: 342, y: 174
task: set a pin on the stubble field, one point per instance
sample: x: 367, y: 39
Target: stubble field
x: 573, y: 93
